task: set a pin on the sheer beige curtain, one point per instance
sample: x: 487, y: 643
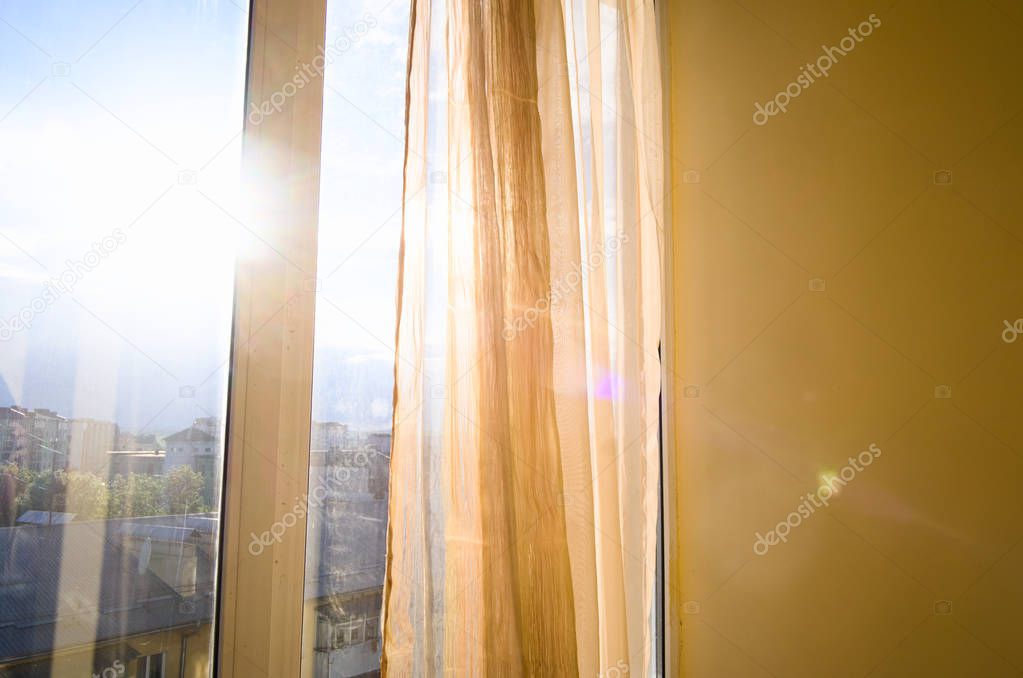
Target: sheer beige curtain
x: 524, y: 469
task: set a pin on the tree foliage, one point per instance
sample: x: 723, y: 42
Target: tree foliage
x: 90, y: 497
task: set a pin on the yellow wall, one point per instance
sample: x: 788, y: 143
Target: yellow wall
x: 78, y: 663
x: 777, y: 382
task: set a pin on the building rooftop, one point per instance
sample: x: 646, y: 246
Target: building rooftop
x: 191, y: 435
x: 48, y: 606
x: 45, y: 518
x: 79, y: 583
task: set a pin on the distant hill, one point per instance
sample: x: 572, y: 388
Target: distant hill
x: 353, y: 387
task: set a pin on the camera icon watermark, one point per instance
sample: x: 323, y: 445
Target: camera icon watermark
x: 690, y: 177
x: 942, y: 607
x: 691, y: 391
x: 943, y: 391
x: 943, y: 177
x: 60, y: 69
x: 186, y: 392
x: 438, y: 177
x: 187, y: 177
x: 817, y: 285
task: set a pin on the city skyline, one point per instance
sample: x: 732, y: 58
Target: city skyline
x: 349, y: 384
x: 324, y: 435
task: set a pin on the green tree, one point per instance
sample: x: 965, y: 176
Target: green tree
x: 45, y: 492
x: 85, y: 494
x: 90, y: 498
x: 135, y: 495
x: 14, y: 482
x: 184, y: 491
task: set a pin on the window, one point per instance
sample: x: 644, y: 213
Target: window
x: 120, y: 140
x: 360, y: 222
x: 139, y: 283
x: 150, y: 666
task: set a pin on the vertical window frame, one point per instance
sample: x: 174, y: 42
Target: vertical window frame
x: 261, y: 593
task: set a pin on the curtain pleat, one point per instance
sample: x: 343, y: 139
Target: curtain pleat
x: 523, y: 502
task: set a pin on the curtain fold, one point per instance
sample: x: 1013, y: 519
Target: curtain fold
x: 523, y: 500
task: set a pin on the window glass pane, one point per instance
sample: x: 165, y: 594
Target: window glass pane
x: 360, y: 224
x: 120, y: 140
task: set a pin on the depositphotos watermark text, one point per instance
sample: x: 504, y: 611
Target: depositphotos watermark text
x: 829, y: 486
x: 307, y: 72
x: 812, y: 71
x: 75, y: 270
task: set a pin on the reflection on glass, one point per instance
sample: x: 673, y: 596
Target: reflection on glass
x: 120, y: 146
x: 360, y: 222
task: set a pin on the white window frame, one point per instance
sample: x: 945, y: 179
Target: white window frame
x: 261, y: 597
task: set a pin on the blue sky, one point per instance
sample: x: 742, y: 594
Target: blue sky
x: 127, y: 115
